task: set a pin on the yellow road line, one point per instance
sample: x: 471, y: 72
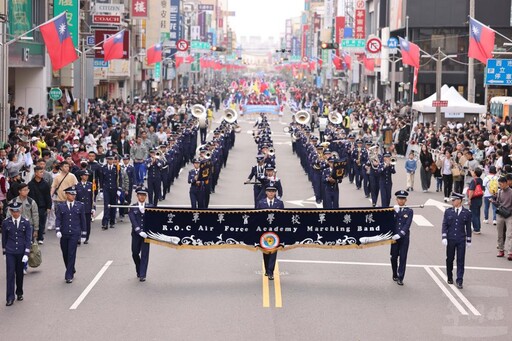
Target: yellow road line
x: 266, y: 295
x: 277, y: 287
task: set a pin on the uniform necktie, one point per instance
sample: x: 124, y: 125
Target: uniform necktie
x: 271, y: 203
x: 70, y: 206
x: 401, y: 209
x: 16, y: 223
x: 458, y: 211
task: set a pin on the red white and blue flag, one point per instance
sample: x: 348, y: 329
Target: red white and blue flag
x: 410, y: 53
x: 58, y: 42
x: 481, y: 41
x: 113, y: 47
x: 154, y: 54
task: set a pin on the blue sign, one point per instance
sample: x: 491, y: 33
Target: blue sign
x: 100, y: 63
x: 498, y: 72
x: 90, y: 41
x: 392, y: 43
x: 174, y: 26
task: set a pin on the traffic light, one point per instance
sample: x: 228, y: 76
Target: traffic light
x: 329, y: 46
x: 218, y: 48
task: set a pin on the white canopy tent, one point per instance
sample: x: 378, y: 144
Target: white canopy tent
x: 456, y: 103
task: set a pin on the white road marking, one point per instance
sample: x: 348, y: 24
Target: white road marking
x: 421, y: 220
x: 98, y: 216
x: 446, y: 292
x: 385, y: 264
x: 459, y: 294
x: 91, y: 285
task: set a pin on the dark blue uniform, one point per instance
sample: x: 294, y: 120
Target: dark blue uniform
x: 359, y: 158
x: 258, y: 173
x: 269, y: 259
x: 85, y: 195
x: 403, y: 221
x: 154, y: 179
x: 331, y: 190
x: 16, y: 241
x: 385, y: 183
x: 110, y: 183
x: 457, y: 230
x: 71, y: 223
x: 140, y: 249
x: 197, y: 189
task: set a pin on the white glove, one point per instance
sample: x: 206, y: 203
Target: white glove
x: 93, y: 213
x: 397, y: 208
x: 445, y: 242
x: 82, y: 240
x: 59, y: 235
x: 396, y: 237
x: 468, y: 244
x: 24, y: 259
x: 143, y: 234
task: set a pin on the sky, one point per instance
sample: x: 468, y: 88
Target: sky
x: 262, y: 17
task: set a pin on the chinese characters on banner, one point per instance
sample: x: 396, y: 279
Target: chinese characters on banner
x: 71, y: 7
x: 139, y: 9
x: 360, y: 20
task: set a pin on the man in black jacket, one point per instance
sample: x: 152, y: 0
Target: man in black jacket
x: 40, y: 192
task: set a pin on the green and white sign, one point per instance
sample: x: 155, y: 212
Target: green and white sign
x: 55, y: 94
x: 157, y: 72
x: 71, y: 6
x: 353, y: 43
x: 200, y: 46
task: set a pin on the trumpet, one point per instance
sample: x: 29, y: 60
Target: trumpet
x: 271, y: 151
x: 392, y: 161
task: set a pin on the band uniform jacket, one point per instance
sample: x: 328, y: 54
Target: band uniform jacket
x: 84, y: 194
x: 16, y: 241
x: 457, y: 227
x: 403, y: 220
x: 277, y: 204
x: 70, y: 222
x: 137, y: 218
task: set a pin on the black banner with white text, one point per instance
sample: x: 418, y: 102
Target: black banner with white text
x: 269, y: 230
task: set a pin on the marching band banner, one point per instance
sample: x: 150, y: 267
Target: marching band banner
x: 256, y: 108
x: 269, y: 230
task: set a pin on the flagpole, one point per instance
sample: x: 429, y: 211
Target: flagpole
x: 471, y: 61
x: 98, y: 44
x: 33, y: 29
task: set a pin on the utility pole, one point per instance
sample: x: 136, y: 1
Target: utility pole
x: 439, y: 73
x: 83, y: 76
x: 5, y: 115
x: 471, y: 61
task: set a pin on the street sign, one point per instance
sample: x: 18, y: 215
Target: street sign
x: 353, y: 43
x: 90, y: 41
x: 106, y: 19
x: 200, y: 46
x: 498, y: 72
x: 55, y: 94
x: 182, y: 45
x: 374, y: 45
x: 393, y: 43
x: 440, y: 104
x: 305, y: 59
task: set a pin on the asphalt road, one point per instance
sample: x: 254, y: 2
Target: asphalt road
x: 222, y: 294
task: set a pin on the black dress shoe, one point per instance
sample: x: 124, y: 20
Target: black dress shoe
x: 86, y: 242
x: 9, y: 303
x: 266, y: 274
x: 459, y: 285
x: 69, y: 281
x: 400, y: 282
x: 104, y: 228
x: 450, y: 281
x: 142, y: 279
x: 395, y: 278
x: 271, y: 277
x: 20, y: 298
x: 112, y: 226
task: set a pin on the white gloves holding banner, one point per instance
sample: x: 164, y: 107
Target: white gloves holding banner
x: 24, y: 259
x: 396, y: 237
x: 82, y: 240
x: 397, y: 208
x: 143, y: 234
x: 445, y: 242
x: 59, y: 235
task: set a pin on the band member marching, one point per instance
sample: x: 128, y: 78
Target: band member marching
x: 386, y: 170
x: 197, y: 187
x: 331, y: 189
x: 271, y: 180
x: 140, y: 249
x: 403, y: 220
x: 270, y: 202
x: 258, y: 173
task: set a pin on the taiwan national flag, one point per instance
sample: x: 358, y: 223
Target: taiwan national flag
x: 113, y: 47
x: 154, y: 54
x: 410, y: 53
x: 481, y: 41
x: 58, y: 42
